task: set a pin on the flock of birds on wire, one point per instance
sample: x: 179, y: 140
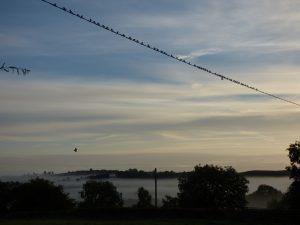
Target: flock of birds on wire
x: 25, y: 71
x: 222, y: 77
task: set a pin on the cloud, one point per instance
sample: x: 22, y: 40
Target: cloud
x: 108, y: 95
x: 199, y: 53
x: 124, y: 117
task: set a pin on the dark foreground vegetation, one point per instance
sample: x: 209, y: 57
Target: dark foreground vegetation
x: 207, y: 193
x: 139, y: 222
x: 206, y: 187
x: 155, y: 216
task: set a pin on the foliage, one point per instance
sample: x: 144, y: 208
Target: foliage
x: 134, y: 173
x: 265, y: 197
x: 294, y: 155
x: 144, y: 199
x: 170, y: 202
x: 6, y: 195
x: 292, y: 198
x: 275, y: 204
x: 100, y: 194
x: 130, y: 173
x: 266, y: 190
x: 40, y: 195
x: 212, y: 187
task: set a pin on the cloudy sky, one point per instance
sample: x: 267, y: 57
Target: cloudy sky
x: 124, y: 105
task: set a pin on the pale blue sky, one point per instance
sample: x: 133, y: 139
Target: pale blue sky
x: 108, y: 96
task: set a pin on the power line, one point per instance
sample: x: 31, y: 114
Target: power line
x: 19, y: 70
x: 221, y: 76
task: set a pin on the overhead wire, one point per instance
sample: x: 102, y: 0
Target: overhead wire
x: 147, y: 45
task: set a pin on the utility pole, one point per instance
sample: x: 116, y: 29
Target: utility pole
x: 155, y: 183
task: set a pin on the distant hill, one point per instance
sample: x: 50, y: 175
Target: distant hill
x: 134, y: 173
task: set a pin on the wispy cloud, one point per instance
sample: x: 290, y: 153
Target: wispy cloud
x: 200, y: 53
x: 149, y: 117
x: 109, y: 95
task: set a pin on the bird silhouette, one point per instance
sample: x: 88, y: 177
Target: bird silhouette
x: 75, y: 150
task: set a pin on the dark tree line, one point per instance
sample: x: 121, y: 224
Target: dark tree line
x: 206, y: 186
x: 35, y: 195
x: 130, y: 173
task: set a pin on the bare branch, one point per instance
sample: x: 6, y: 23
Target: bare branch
x: 13, y: 69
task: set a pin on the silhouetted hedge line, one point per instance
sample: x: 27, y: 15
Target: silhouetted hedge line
x: 274, y: 216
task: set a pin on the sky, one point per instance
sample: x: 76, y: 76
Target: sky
x: 125, y: 106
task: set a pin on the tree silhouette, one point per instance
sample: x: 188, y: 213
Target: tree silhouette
x: 292, y: 198
x: 144, y: 198
x: 170, y: 202
x: 40, y: 195
x: 6, y: 195
x: 266, y: 190
x: 265, y: 197
x: 100, y: 194
x: 294, y: 155
x: 212, y: 187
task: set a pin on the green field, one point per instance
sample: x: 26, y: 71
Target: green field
x: 129, y: 222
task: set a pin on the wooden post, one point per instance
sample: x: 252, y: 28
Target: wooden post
x: 155, y: 182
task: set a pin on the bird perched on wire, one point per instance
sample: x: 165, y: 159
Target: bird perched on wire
x: 75, y: 150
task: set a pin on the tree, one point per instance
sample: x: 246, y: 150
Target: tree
x: 144, y: 198
x: 265, y: 197
x: 212, y: 187
x: 40, y: 195
x: 6, y: 195
x: 292, y: 198
x: 266, y: 190
x: 294, y: 155
x: 100, y: 194
x: 170, y: 202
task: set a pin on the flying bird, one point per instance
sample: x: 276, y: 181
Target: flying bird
x: 75, y: 150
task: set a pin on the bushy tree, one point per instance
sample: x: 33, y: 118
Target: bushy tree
x: 266, y: 190
x: 6, y: 195
x: 265, y: 197
x: 100, y: 194
x: 294, y: 155
x: 212, y: 187
x: 292, y: 198
x: 40, y: 195
x: 170, y: 202
x: 144, y: 198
